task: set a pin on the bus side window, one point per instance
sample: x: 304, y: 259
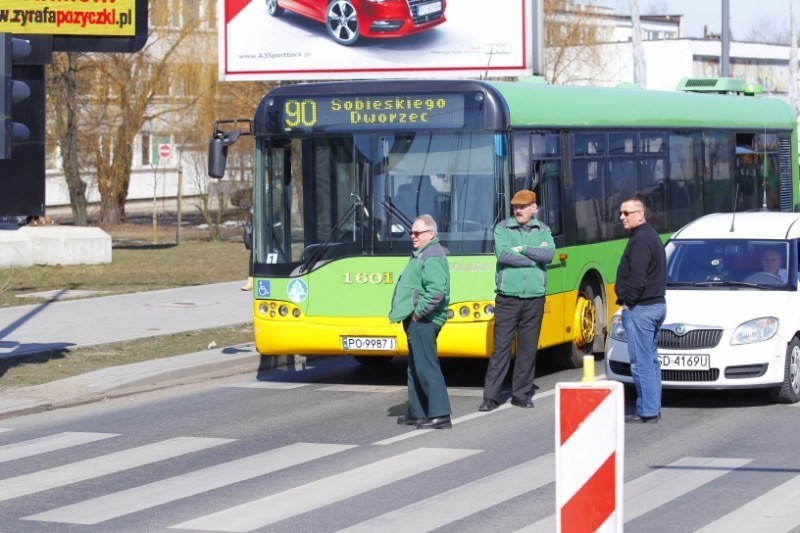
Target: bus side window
x: 548, y: 174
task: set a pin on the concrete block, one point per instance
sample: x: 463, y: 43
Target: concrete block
x: 16, y: 250
x: 68, y: 245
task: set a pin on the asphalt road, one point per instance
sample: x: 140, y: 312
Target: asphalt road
x: 317, y: 449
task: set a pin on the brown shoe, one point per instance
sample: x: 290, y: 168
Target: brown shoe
x: 248, y: 286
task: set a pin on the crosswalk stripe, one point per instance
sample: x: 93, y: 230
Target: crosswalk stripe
x: 271, y: 509
x: 59, y: 441
x: 653, y: 490
x: 143, y: 497
x: 774, y: 511
x: 463, y: 501
x: 277, y: 385
x: 5, y: 429
x: 99, y: 466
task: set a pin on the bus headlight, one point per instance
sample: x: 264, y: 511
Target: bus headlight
x: 756, y: 330
x: 464, y: 311
x: 283, y: 310
x: 263, y: 308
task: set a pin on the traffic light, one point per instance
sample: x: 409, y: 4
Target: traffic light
x: 12, y: 92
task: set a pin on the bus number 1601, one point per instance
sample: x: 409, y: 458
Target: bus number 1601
x: 373, y: 278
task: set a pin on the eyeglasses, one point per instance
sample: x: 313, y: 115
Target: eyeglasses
x: 417, y: 233
x: 626, y: 213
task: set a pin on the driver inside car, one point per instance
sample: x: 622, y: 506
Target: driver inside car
x: 772, y: 263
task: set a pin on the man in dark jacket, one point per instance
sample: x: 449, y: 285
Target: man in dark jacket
x: 523, y: 247
x: 641, y: 287
x: 420, y: 302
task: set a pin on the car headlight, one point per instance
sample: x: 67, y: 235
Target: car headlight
x: 618, y: 332
x: 756, y: 330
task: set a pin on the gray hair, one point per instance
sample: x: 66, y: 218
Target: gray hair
x: 429, y: 222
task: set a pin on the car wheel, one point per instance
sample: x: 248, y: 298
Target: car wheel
x: 273, y: 8
x: 789, y: 391
x: 342, y: 22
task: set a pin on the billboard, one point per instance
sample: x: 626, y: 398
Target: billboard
x: 114, y: 18
x: 356, y: 39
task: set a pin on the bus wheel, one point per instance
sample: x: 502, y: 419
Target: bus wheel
x: 374, y: 360
x: 585, y: 327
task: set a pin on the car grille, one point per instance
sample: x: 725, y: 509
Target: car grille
x: 693, y: 340
x: 686, y: 376
x: 412, y: 5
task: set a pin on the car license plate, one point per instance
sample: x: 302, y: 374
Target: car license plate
x: 369, y: 343
x: 684, y: 362
x: 427, y: 9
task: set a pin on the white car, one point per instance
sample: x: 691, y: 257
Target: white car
x: 733, y: 307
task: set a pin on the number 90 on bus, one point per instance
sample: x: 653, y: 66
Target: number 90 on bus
x: 300, y: 113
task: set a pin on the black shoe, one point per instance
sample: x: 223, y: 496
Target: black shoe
x: 439, y: 422
x: 488, y: 405
x: 634, y: 418
x: 522, y: 403
x: 406, y: 420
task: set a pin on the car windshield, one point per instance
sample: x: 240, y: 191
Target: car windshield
x: 758, y: 264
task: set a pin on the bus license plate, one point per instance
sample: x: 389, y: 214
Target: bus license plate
x: 684, y: 362
x: 427, y: 9
x: 369, y: 343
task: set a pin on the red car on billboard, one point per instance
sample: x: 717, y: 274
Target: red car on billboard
x: 347, y: 20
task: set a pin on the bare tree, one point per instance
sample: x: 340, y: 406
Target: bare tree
x: 572, y: 36
x: 63, y: 108
x: 120, y: 93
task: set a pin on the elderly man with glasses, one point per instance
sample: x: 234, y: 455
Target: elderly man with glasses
x: 420, y: 301
x: 641, y: 288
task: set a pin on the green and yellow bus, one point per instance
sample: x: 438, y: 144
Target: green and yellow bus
x: 341, y: 169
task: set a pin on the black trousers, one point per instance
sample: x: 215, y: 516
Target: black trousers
x: 521, y: 318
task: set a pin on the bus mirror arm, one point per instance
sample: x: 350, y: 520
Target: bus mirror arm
x: 218, y: 145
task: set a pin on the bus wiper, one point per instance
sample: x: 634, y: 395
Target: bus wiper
x: 319, y: 250
x: 395, y: 212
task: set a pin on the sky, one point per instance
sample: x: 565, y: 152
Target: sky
x: 744, y: 14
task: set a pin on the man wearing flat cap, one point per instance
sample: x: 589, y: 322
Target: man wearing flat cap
x: 523, y: 247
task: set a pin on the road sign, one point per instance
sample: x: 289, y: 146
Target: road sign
x: 164, y: 151
x: 589, y: 456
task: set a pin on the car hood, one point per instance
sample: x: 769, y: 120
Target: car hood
x: 724, y: 308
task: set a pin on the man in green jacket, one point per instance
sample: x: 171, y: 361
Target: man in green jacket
x: 523, y: 247
x: 420, y: 302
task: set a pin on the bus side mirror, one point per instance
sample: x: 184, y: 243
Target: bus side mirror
x: 218, y: 145
x: 218, y: 152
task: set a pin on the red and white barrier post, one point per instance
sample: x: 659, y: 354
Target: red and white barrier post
x: 589, y: 455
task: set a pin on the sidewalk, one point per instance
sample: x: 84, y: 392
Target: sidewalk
x: 69, y: 323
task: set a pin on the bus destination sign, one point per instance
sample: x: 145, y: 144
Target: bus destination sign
x: 316, y: 113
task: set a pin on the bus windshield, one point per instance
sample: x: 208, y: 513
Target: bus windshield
x: 335, y: 195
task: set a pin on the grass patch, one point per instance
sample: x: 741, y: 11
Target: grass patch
x: 134, y: 267
x: 28, y: 370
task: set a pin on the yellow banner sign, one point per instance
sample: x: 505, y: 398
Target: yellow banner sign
x: 87, y: 18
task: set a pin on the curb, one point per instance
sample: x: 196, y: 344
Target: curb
x: 129, y: 379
